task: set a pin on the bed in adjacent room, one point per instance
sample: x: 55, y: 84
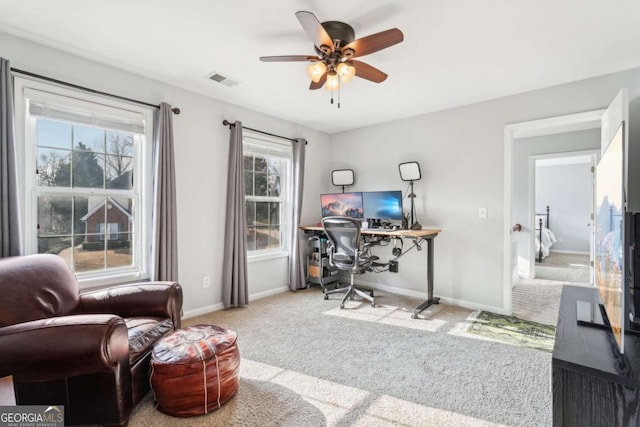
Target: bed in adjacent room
x: 544, y: 236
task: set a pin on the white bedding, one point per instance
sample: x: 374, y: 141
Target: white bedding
x: 548, y: 239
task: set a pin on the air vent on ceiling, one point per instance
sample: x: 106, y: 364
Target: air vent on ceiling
x: 216, y: 77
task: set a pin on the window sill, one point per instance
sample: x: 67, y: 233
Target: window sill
x: 266, y: 256
x: 96, y: 282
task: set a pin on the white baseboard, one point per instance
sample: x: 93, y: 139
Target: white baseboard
x: 560, y: 251
x: 446, y: 300
x: 219, y: 306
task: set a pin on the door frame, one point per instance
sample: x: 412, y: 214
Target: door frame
x: 593, y: 159
x: 513, y: 132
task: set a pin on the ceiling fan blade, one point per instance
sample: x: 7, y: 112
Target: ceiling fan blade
x: 375, y: 42
x: 288, y: 58
x: 319, y: 84
x: 368, y: 72
x: 314, y: 29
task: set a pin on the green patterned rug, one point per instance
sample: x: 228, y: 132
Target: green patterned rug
x: 512, y: 330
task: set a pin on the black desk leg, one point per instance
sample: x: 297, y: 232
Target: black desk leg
x: 430, y: 298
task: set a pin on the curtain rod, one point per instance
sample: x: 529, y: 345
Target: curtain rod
x: 49, y: 79
x: 226, y: 122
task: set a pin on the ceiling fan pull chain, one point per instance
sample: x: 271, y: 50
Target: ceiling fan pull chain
x: 338, y: 92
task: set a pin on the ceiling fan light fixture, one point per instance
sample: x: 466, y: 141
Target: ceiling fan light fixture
x: 333, y: 81
x: 316, y: 70
x: 346, y: 71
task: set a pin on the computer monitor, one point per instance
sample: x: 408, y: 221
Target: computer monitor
x: 342, y: 204
x: 385, y: 205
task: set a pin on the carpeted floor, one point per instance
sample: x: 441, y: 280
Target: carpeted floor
x: 305, y: 362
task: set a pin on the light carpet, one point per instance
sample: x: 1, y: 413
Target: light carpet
x: 306, y: 362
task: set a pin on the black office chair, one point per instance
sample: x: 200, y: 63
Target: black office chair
x: 347, y: 253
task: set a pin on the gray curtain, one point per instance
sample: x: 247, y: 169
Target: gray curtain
x: 10, y: 228
x: 235, y: 288
x: 164, y: 247
x: 296, y: 269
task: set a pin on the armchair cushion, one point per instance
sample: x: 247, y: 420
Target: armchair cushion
x: 143, y: 333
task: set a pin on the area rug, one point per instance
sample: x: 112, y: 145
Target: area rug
x: 512, y: 330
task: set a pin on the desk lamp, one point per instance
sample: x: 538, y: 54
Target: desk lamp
x: 342, y: 177
x: 410, y: 171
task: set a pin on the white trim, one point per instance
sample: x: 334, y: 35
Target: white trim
x: 548, y: 126
x: 219, y: 306
x: 562, y: 251
x: 259, y: 256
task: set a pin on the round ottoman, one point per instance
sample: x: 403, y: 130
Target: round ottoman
x: 195, y: 370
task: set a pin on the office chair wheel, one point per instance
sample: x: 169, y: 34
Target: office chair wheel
x: 371, y: 294
x: 341, y: 305
x: 326, y: 296
x: 414, y: 316
x: 373, y: 304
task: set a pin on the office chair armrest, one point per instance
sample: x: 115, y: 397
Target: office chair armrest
x: 66, y: 346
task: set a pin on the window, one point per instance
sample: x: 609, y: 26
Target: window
x: 267, y: 172
x: 87, y: 181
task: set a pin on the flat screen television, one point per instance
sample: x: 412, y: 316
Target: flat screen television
x: 610, y: 247
x: 342, y: 204
x: 384, y: 205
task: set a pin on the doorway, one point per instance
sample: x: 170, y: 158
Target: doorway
x: 562, y: 200
x: 519, y: 215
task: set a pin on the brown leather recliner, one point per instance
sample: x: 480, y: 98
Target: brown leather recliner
x: 89, y: 352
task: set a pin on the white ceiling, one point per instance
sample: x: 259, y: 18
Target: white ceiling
x: 455, y: 52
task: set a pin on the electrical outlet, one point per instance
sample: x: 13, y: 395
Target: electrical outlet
x: 482, y: 212
x: 393, y: 266
x: 206, y: 282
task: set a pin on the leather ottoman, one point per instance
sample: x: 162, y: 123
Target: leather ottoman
x: 195, y: 370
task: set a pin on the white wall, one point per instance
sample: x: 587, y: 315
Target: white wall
x: 568, y: 191
x: 461, y: 152
x: 201, y: 151
x: 523, y: 150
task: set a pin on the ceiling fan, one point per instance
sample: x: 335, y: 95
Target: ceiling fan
x: 336, y: 48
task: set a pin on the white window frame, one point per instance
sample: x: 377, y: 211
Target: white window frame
x: 286, y: 193
x: 26, y: 89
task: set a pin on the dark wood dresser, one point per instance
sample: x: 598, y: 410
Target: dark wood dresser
x: 593, y: 384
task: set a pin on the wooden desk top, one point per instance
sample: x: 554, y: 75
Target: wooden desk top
x: 425, y: 232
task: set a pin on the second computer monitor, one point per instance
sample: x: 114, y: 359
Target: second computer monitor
x: 385, y: 205
x: 342, y: 204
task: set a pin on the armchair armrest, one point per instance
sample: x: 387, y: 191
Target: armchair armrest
x: 161, y: 299
x: 66, y: 346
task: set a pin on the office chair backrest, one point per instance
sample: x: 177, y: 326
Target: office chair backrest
x: 344, y: 235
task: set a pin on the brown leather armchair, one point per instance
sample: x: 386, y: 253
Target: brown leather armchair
x: 89, y: 352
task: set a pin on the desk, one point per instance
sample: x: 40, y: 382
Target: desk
x: 418, y: 236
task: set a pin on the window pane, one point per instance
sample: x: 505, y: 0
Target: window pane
x: 119, y: 170
x: 248, y: 162
x: 261, y: 184
x: 251, y: 212
x: 56, y: 245
x: 90, y: 254
x: 119, y: 252
x: 274, y: 237
x: 53, y: 134
x: 248, y: 184
x: 262, y: 238
x: 251, y: 238
x: 88, y: 139
x: 261, y: 164
x: 54, y: 215
x: 88, y: 169
x: 262, y: 213
x: 274, y: 213
x: 119, y: 143
x: 89, y: 213
x: 274, y: 185
x: 54, y: 167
